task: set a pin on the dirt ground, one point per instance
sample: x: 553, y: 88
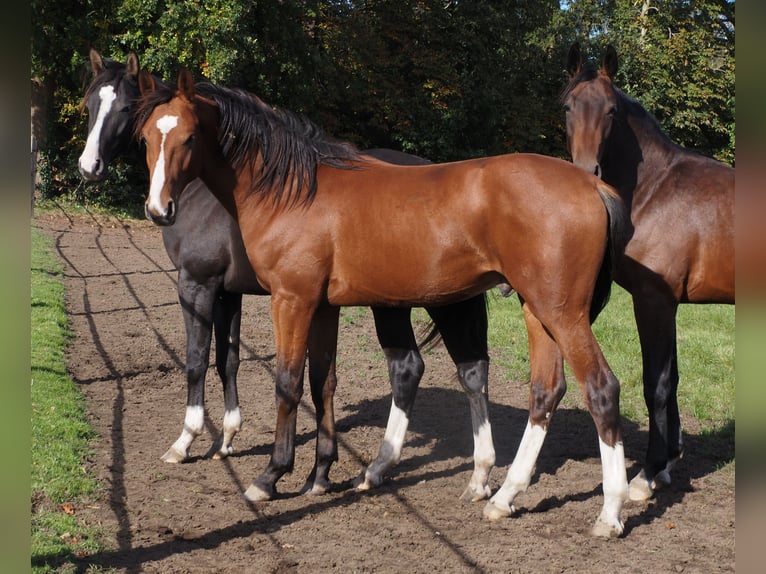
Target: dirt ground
x: 127, y: 356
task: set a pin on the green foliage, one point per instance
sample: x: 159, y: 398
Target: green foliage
x: 446, y: 80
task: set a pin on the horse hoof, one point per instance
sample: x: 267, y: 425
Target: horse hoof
x: 661, y: 479
x: 471, y: 494
x: 256, y: 494
x: 315, y: 488
x: 494, y: 512
x: 220, y: 453
x: 640, y: 488
x: 174, y: 456
x: 603, y: 529
x: 367, y: 481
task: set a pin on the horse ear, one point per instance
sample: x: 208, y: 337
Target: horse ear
x: 131, y: 66
x: 609, y: 62
x: 186, y: 84
x: 96, y: 62
x: 574, y: 61
x: 146, y: 82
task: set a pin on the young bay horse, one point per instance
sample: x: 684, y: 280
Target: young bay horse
x: 682, y: 246
x: 206, y: 247
x: 327, y: 226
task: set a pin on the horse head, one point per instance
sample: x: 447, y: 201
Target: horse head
x: 590, y: 103
x: 110, y: 103
x: 168, y: 121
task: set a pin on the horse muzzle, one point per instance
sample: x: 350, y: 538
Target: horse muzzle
x: 164, y: 218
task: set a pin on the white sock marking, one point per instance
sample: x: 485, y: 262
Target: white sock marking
x: 195, y: 419
x: 90, y: 153
x: 164, y: 124
x: 615, y: 481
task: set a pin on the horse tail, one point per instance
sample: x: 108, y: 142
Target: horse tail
x: 617, y: 238
x: 430, y: 336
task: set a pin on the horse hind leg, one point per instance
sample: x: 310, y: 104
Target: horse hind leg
x: 405, y: 369
x: 547, y: 387
x: 227, y: 316
x: 463, y: 327
x: 196, y: 305
x: 602, y: 396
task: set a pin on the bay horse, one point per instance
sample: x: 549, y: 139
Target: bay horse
x: 682, y: 246
x: 206, y: 247
x: 327, y: 226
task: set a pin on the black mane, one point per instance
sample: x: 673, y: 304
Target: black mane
x: 291, y: 146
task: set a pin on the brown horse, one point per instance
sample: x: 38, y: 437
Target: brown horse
x: 682, y: 246
x: 327, y: 226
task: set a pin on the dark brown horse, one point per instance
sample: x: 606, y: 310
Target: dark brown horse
x: 327, y: 226
x: 682, y: 246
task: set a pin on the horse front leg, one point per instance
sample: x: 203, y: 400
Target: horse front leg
x: 322, y: 350
x: 196, y: 301
x: 405, y: 369
x: 291, y: 317
x: 227, y: 318
x: 656, y: 321
x: 463, y: 327
x: 546, y: 389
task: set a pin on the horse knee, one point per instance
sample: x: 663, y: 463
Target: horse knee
x: 604, y: 405
x: 473, y: 376
x: 405, y: 369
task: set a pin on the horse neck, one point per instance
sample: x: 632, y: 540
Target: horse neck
x: 635, y: 156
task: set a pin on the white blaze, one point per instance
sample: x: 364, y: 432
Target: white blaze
x: 90, y: 153
x: 164, y: 124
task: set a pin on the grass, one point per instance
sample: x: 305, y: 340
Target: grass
x: 60, y: 481
x: 706, y: 337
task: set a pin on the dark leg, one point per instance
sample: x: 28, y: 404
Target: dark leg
x: 197, y: 306
x: 227, y: 316
x: 292, y: 317
x: 463, y: 327
x: 656, y: 321
x: 323, y: 342
x: 405, y: 369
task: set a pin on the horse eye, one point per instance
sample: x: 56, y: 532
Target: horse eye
x: 190, y: 140
x: 567, y: 107
x: 612, y: 111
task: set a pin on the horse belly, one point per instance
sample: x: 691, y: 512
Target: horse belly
x: 408, y: 275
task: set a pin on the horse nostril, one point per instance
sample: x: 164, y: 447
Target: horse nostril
x: 597, y: 171
x: 171, y: 211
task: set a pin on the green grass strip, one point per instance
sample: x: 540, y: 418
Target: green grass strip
x: 61, y: 434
